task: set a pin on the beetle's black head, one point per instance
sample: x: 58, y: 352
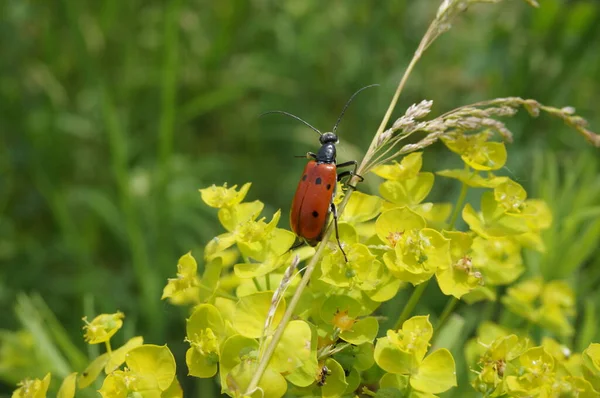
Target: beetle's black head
x: 328, y: 138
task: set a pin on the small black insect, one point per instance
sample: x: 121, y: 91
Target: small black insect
x: 322, y: 376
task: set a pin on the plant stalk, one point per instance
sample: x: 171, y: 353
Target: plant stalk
x: 450, y: 305
x: 412, y: 302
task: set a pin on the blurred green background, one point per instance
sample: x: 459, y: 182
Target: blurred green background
x: 113, y: 113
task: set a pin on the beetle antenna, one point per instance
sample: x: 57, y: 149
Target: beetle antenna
x: 347, y: 104
x: 295, y: 117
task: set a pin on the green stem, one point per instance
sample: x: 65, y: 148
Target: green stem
x: 450, y: 305
x: 108, y: 347
x: 412, y: 302
x: 256, y: 284
x: 226, y: 295
x: 268, y: 281
x: 459, y: 204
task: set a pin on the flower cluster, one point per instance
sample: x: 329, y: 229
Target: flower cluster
x: 134, y: 369
x: 508, y: 364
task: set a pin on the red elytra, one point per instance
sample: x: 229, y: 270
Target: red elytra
x: 312, y: 202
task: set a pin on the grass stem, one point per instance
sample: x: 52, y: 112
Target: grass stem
x: 411, y: 304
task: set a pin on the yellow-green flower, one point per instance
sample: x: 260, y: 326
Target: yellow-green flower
x: 35, y: 388
x: 547, y: 304
x: 476, y: 151
x: 408, y: 168
x: 102, y: 327
x: 150, y: 372
x: 402, y: 352
x: 184, y: 288
x: 205, y: 332
x: 417, y: 251
x: 536, y: 375
x: 591, y: 365
x: 498, y: 259
x: 255, y: 239
x: 495, y: 364
x: 461, y: 276
x: 220, y: 197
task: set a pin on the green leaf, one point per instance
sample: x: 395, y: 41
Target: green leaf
x: 210, y: 279
x: 335, y: 304
x: 231, y: 217
x: 392, y: 223
x: 387, y: 288
x: 389, y: 392
x: 67, y: 387
x: 436, y: 214
x: 218, y: 244
x: 335, y: 383
x: 233, y: 351
x: 293, y: 349
x: 591, y: 364
x: 396, y: 381
x: 271, y: 385
x: 361, y: 207
x: 174, y: 390
x: 305, y: 374
x: 409, y: 167
x: 472, y: 178
x: 363, y: 358
x: 353, y: 380
x: 408, y: 192
x: 153, y: 361
x: 205, y: 316
x: 436, y: 374
x: 90, y: 374
x: 356, y: 357
x: 117, y: 357
x: 488, y: 156
x: 363, y: 331
x: 481, y: 293
x: 393, y: 359
x: 200, y: 365
x: 251, y: 313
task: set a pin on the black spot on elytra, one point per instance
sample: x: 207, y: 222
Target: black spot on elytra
x: 328, y: 187
x: 315, y: 214
x: 318, y: 181
x: 304, y: 177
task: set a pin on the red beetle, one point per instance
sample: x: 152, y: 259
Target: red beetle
x: 313, y: 201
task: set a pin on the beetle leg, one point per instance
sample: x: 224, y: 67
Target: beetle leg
x: 350, y: 173
x: 337, y: 233
x: 348, y: 163
x: 296, y: 245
